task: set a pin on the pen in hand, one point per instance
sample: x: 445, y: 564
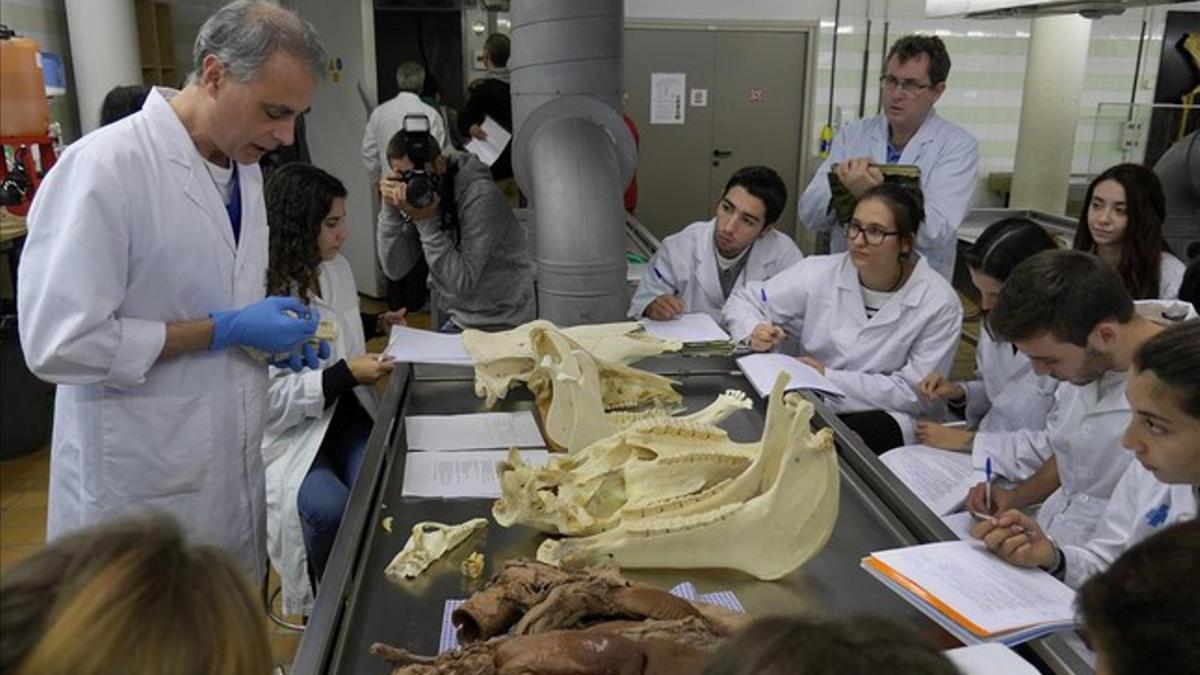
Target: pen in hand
x: 663, y: 279
x: 987, y: 470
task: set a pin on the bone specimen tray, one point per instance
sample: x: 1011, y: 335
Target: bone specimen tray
x: 357, y: 605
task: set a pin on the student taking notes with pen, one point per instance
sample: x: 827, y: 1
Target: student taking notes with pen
x: 873, y: 320
x: 696, y: 269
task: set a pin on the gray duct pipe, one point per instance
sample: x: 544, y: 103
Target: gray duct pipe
x: 572, y: 153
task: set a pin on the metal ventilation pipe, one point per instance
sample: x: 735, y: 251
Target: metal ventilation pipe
x: 572, y: 153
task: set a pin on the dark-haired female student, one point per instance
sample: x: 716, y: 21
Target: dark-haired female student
x: 1121, y: 222
x: 874, y: 320
x: 1006, y: 401
x: 318, y: 420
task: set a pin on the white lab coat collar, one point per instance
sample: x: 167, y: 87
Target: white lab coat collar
x: 178, y: 147
x: 907, y: 296
x: 916, y: 145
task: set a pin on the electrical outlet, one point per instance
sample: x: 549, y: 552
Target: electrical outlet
x: 1131, y: 135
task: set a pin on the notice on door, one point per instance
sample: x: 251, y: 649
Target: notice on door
x: 667, y: 97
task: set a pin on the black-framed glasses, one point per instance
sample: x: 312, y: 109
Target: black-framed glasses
x: 874, y: 237
x: 906, y: 86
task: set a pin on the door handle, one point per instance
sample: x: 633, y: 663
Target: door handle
x: 721, y: 154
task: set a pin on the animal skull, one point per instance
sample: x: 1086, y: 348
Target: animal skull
x: 429, y: 541
x: 507, y: 357
x: 668, y: 493
x: 575, y: 390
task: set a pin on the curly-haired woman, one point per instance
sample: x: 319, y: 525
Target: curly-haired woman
x: 317, y: 421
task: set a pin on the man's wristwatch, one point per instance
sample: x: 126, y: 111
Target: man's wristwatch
x: 1058, y: 567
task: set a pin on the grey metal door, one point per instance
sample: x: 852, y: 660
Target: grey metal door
x: 754, y: 82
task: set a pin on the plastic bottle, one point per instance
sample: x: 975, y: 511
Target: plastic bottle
x: 23, y: 108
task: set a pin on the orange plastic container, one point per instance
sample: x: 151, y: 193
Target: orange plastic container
x: 23, y: 108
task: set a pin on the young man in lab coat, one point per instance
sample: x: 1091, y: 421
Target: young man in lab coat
x: 1070, y: 313
x: 908, y: 131
x: 698, y: 268
x: 1160, y: 488
x: 145, y: 268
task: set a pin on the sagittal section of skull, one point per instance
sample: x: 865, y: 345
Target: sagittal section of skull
x: 506, y: 358
x: 673, y: 493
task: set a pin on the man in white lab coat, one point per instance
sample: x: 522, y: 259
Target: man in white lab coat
x: 1160, y: 488
x: 1070, y: 313
x: 388, y: 118
x: 145, y: 268
x: 908, y: 131
x: 697, y: 268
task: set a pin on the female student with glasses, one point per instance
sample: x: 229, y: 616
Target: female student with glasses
x: 874, y: 319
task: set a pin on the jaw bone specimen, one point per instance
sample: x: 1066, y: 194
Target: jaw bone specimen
x: 507, y: 357
x: 675, y: 494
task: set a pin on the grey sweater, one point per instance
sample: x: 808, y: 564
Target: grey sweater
x: 484, y: 282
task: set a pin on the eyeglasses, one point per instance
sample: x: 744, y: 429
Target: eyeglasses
x: 874, y: 237
x: 907, y: 86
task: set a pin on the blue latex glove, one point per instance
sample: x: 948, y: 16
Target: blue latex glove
x: 305, y: 357
x: 265, y: 326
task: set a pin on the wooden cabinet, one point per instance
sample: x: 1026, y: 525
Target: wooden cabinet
x: 156, y: 43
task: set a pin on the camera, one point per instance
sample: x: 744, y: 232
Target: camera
x: 422, y: 184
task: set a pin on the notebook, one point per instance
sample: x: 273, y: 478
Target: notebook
x: 974, y: 595
x: 762, y: 369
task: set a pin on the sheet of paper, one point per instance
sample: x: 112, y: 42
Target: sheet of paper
x: 987, y: 591
x: 476, y: 431
x: 667, y: 94
x: 762, y: 369
x: 940, y: 478
x: 698, y: 327
x: 989, y: 659
x: 466, y: 473
x: 490, y: 149
x: 414, y: 345
x: 960, y: 524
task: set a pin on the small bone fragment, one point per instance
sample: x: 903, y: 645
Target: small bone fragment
x: 429, y: 541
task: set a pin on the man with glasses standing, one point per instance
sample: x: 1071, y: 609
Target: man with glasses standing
x: 908, y: 131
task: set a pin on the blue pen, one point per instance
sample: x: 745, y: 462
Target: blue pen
x: 762, y: 292
x: 987, y: 470
x: 663, y: 279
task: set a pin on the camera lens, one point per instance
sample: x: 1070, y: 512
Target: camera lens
x: 420, y: 191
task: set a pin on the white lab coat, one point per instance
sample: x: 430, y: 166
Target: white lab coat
x: 877, y: 362
x: 296, y: 422
x: 386, y: 120
x: 1170, y: 276
x: 687, y: 260
x: 1007, y: 397
x: 1007, y: 394
x: 128, y: 233
x: 1083, y: 431
x: 1140, y: 507
x: 1085, y: 437
x: 948, y: 156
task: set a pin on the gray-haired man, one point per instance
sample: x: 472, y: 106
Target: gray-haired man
x: 145, y: 263
x: 388, y: 118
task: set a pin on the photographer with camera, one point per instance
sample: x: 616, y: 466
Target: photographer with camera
x: 449, y: 208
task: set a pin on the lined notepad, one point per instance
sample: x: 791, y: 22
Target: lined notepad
x: 974, y: 595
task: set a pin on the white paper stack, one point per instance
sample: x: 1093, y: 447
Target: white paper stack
x: 413, y: 345
x: 455, y: 456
